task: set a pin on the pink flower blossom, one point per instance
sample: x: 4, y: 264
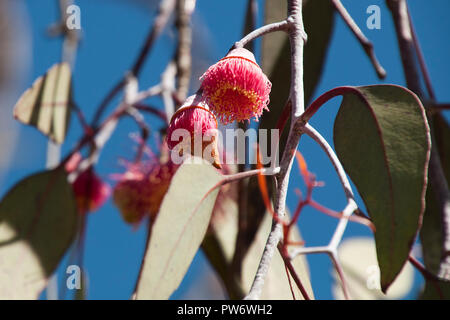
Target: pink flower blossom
x: 201, y: 126
x: 236, y: 88
x: 141, y: 189
x: 90, y: 191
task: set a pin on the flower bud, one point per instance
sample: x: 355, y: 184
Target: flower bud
x: 141, y: 189
x: 196, y: 127
x: 90, y: 191
x: 236, y: 88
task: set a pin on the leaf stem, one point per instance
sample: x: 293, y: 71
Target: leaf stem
x: 269, y: 28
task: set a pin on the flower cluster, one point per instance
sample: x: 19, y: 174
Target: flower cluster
x: 235, y: 88
x: 141, y: 189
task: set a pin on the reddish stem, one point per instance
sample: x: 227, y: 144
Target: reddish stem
x: 290, y: 267
x: 281, y: 123
x: 427, y: 275
x: 321, y: 100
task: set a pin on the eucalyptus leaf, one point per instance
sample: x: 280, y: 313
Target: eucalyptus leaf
x: 38, y: 219
x: 46, y: 105
x: 432, y: 234
x: 436, y: 290
x: 179, y: 229
x: 382, y: 138
x: 362, y: 275
x: 276, y: 56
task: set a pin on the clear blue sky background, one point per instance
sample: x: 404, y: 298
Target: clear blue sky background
x: 112, y: 34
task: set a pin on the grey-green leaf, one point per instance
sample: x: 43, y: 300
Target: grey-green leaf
x: 436, y: 290
x: 276, y: 57
x: 432, y: 234
x: 179, y: 229
x: 46, y: 105
x: 38, y: 220
x: 382, y: 137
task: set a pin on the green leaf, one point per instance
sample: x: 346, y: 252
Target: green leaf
x: 220, y: 240
x: 381, y: 135
x: 179, y: 229
x: 276, y: 57
x: 249, y: 22
x: 38, y: 220
x: 81, y: 294
x: 46, y: 105
x: 358, y: 258
x: 432, y: 234
x: 436, y: 290
x: 318, y: 17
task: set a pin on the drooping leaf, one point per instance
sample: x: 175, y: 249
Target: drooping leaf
x: 381, y: 135
x: 46, y: 105
x: 179, y: 229
x: 38, y: 220
x: 358, y: 258
x: 432, y: 233
x: 220, y: 241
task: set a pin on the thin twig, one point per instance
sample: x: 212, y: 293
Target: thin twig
x: 438, y: 106
x: 422, y: 64
x: 165, y: 10
x: 323, y: 143
x: 168, y: 88
x: 365, y: 43
x: 81, y: 118
x: 185, y: 9
x: 427, y: 275
x: 293, y: 273
x: 150, y: 92
x: 145, y: 130
x: 272, y: 27
x: 152, y: 110
x: 337, y: 265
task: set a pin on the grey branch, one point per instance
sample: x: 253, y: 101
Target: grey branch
x: 297, y: 39
x: 185, y: 9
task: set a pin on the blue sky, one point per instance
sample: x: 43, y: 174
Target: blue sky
x: 112, y: 35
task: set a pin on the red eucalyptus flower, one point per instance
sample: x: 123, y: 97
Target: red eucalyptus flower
x: 236, y: 88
